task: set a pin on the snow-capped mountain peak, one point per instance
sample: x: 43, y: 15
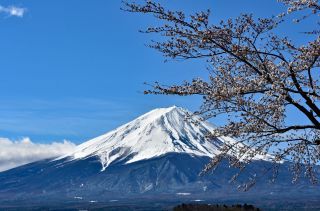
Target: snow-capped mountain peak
x: 158, y: 132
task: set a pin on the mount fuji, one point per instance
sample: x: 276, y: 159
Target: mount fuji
x: 154, y: 134
x: 156, y: 157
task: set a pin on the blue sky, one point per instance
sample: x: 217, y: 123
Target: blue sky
x: 75, y: 69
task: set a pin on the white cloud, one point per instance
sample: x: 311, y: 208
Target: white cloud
x: 16, y: 153
x: 13, y: 11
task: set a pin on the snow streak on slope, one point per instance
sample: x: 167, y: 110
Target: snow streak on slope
x: 156, y: 133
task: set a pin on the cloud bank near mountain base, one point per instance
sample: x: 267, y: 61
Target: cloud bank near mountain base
x: 15, y: 153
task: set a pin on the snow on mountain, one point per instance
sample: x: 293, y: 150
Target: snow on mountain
x: 156, y: 133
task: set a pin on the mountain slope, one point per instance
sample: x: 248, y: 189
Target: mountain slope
x: 171, y: 178
x: 157, y: 156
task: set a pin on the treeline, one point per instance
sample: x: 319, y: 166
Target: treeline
x: 216, y: 207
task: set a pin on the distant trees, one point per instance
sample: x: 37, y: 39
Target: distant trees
x: 216, y: 207
x: 257, y: 79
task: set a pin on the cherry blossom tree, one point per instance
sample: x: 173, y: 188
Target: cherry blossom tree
x: 257, y: 79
